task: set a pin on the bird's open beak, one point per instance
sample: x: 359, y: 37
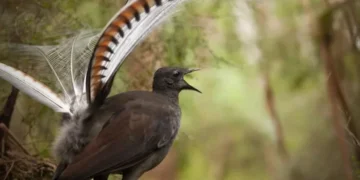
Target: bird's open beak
x: 192, y: 70
x: 187, y: 85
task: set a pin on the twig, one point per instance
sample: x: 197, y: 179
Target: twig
x: 5, y: 116
x: 274, y: 117
x: 8, y: 132
x: 8, y: 172
x: 2, y: 143
x: 8, y: 108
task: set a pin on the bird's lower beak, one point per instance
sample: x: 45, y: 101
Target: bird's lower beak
x: 192, y: 70
x: 187, y: 85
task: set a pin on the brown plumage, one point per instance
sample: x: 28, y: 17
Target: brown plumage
x: 140, y: 129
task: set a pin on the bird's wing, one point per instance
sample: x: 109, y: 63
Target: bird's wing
x: 120, y: 36
x: 134, y: 133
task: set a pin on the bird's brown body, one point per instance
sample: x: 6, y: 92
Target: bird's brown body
x: 141, y: 127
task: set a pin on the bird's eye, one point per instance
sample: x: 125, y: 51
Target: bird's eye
x: 176, y: 73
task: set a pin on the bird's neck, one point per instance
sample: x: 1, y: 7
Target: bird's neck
x: 172, y: 95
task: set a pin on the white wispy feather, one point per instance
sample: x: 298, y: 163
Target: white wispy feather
x: 53, y: 70
x: 76, y: 91
x: 68, y: 62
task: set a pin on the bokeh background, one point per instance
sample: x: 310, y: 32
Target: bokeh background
x: 280, y: 82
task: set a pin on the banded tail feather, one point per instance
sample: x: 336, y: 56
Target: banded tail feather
x: 120, y: 36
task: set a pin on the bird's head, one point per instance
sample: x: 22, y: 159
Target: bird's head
x: 172, y: 79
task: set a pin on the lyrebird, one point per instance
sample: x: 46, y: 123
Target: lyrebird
x: 89, y: 63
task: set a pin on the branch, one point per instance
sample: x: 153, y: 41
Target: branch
x: 333, y: 93
x: 8, y: 110
x: 325, y: 41
x: 275, y: 118
x: 12, y: 137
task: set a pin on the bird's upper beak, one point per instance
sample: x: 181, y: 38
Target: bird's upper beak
x: 187, y: 85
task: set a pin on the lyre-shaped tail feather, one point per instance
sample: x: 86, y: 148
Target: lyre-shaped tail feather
x: 33, y: 88
x: 120, y: 36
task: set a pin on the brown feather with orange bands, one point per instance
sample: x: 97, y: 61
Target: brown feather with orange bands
x: 101, y: 51
x: 99, y: 68
x: 99, y: 54
x: 129, y: 13
x: 139, y: 6
x: 111, y: 31
x: 106, y: 40
x: 123, y: 19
